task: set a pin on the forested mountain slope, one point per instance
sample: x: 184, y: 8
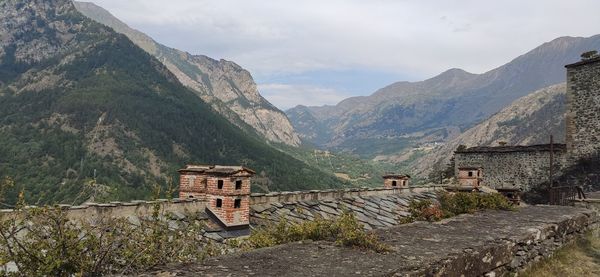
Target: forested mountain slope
x: 225, y: 85
x: 79, y: 102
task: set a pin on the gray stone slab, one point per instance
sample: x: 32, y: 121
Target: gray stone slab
x: 468, y: 245
x: 214, y: 236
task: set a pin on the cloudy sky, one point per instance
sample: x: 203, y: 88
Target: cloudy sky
x: 317, y: 52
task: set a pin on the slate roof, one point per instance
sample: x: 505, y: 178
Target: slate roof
x: 392, y: 175
x: 517, y: 148
x: 582, y: 62
x: 216, y: 169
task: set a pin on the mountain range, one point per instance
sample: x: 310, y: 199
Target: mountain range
x: 404, y: 115
x: 87, y: 114
x: 529, y: 120
x: 226, y: 86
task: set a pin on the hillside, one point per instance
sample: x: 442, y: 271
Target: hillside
x: 404, y: 115
x: 527, y: 121
x: 85, y: 112
x: 228, y: 87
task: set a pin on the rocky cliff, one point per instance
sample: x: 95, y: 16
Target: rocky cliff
x: 225, y: 85
x: 527, y: 121
x: 406, y: 114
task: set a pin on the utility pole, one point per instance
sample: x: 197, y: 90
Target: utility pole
x: 551, y: 185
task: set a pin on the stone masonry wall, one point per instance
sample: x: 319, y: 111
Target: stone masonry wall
x: 490, y: 243
x: 583, y: 113
x: 272, y: 203
x: 374, y: 211
x: 504, y: 169
x: 319, y: 195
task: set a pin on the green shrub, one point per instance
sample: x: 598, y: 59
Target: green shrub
x: 45, y: 242
x: 453, y: 204
x: 425, y: 210
x: 345, y: 231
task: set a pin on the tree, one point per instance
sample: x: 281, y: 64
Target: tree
x: 589, y: 55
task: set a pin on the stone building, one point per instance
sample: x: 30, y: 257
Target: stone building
x: 511, y: 166
x: 583, y: 108
x: 226, y: 190
x: 524, y: 167
x: 396, y: 181
x: 470, y: 176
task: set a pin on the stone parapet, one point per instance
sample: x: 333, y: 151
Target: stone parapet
x: 194, y: 205
x: 492, y: 243
x: 89, y: 211
x: 320, y: 195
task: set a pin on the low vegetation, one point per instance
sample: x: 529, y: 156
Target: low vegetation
x: 344, y: 230
x: 581, y: 258
x: 46, y: 242
x: 453, y: 204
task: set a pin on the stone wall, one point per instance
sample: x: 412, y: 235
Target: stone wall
x: 491, y: 243
x: 132, y: 209
x: 583, y: 108
x: 373, y: 208
x: 524, y: 168
x: 319, y: 195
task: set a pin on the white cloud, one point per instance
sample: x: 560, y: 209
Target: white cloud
x: 421, y: 38
x: 287, y: 96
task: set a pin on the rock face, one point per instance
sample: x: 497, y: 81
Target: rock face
x: 405, y: 114
x: 491, y: 243
x: 225, y: 85
x: 527, y: 121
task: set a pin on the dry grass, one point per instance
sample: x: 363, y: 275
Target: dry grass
x: 581, y: 258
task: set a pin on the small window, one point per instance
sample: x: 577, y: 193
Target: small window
x: 237, y: 203
x: 478, y: 173
x: 394, y: 183
x: 403, y: 183
x: 220, y: 184
x: 470, y: 173
x: 191, y: 196
x: 219, y: 203
x: 238, y: 184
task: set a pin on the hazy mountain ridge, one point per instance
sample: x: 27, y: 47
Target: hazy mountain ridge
x: 85, y: 112
x: 397, y: 114
x: 527, y: 121
x: 228, y: 87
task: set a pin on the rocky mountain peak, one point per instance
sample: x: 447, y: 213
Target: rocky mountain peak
x: 406, y: 115
x: 229, y: 88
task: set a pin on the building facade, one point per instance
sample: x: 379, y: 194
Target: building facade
x: 470, y: 176
x: 583, y: 108
x: 511, y: 166
x: 396, y: 181
x: 226, y: 190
